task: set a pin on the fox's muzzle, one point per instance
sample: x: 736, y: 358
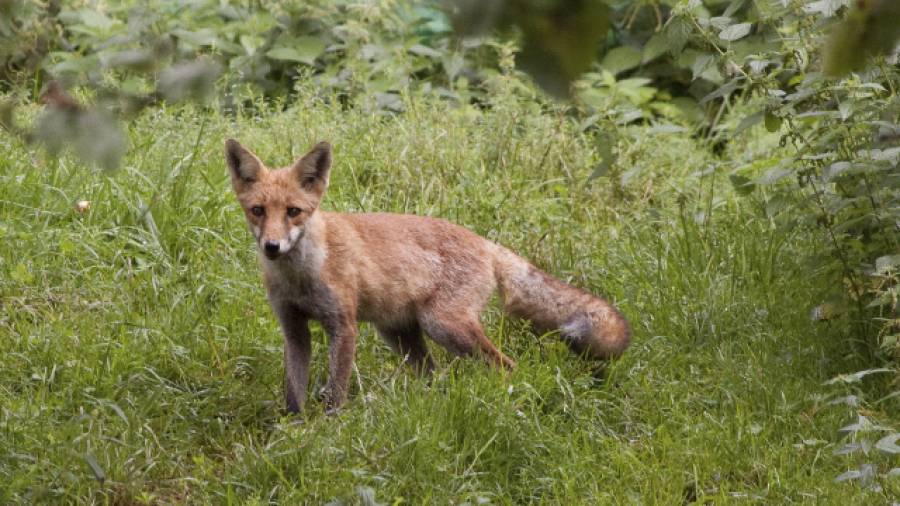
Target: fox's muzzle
x: 271, y: 249
x: 275, y: 248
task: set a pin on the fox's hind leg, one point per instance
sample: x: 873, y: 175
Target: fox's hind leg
x: 408, y: 343
x: 461, y: 333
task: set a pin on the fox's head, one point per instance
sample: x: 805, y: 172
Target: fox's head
x: 278, y: 203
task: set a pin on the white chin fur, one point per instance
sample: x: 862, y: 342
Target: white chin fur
x: 294, y: 235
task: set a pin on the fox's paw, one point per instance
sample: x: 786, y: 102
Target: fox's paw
x: 332, y: 397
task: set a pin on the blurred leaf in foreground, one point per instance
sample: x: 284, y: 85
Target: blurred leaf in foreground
x: 559, y: 37
x: 93, y: 133
x: 871, y: 28
x: 191, y: 80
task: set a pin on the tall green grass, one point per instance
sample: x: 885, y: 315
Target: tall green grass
x: 140, y: 363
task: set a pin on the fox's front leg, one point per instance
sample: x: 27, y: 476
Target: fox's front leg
x: 297, y: 352
x: 342, y: 332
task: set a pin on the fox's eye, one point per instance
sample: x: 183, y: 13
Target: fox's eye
x: 257, y: 210
x: 293, y: 211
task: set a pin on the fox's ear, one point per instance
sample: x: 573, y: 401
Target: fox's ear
x: 244, y: 167
x: 313, y: 168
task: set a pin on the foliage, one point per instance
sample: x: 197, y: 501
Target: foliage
x: 843, y: 134
x: 125, y: 47
x: 842, y: 176
x: 132, y: 55
x: 675, y: 60
x: 27, y: 32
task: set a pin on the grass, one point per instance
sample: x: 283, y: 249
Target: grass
x: 140, y: 363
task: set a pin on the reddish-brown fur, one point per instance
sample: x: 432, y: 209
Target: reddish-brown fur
x: 406, y: 274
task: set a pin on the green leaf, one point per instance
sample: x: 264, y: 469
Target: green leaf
x: 700, y: 64
x: 836, y: 169
x: 190, y: 80
x: 133, y: 59
x: 773, y: 176
x: 250, y: 43
x: 75, y: 64
x: 870, y: 29
x: 95, y: 467
x: 95, y: 19
x: 302, y: 49
x: 736, y: 32
x: 748, y: 122
x: 666, y: 128
x: 678, y: 31
x: 734, y: 7
x: 864, y: 473
x: 22, y: 275
x: 724, y: 90
x: 605, y: 144
x: 620, y: 59
x: 367, y: 496
x: 66, y: 246
x: 863, y: 424
x: 886, y: 263
x: 420, y: 50
x: 389, y: 102
x: 742, y: 185
x: 598, y: 98
x: 200, y: 37
x: 855, y: 378
x: 773, y: 122
x: 301, y: 53
x: 655, y: 47
x: 285, y: 53
x: 889, y: 443
x: 690, y: 109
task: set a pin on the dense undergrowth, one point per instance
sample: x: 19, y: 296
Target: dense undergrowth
x: 141, y: 362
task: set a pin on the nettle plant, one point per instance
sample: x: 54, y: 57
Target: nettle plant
x: 843, y: 133
x: 118, y: 59
x: 846, y: 167
x: 842, y: 175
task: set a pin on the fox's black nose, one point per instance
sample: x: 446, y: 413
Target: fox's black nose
x: 271, y: 248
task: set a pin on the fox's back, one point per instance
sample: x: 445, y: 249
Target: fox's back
x: 406, y: 246
x: 399, y: 262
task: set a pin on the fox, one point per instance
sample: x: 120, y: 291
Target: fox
x: 408, y: 275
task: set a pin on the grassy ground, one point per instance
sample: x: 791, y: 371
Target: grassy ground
x: 139, y: 361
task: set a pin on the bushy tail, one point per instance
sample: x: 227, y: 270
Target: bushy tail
x: 589, y: 325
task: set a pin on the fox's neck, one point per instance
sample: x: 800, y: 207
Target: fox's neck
x: 310, y: 251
